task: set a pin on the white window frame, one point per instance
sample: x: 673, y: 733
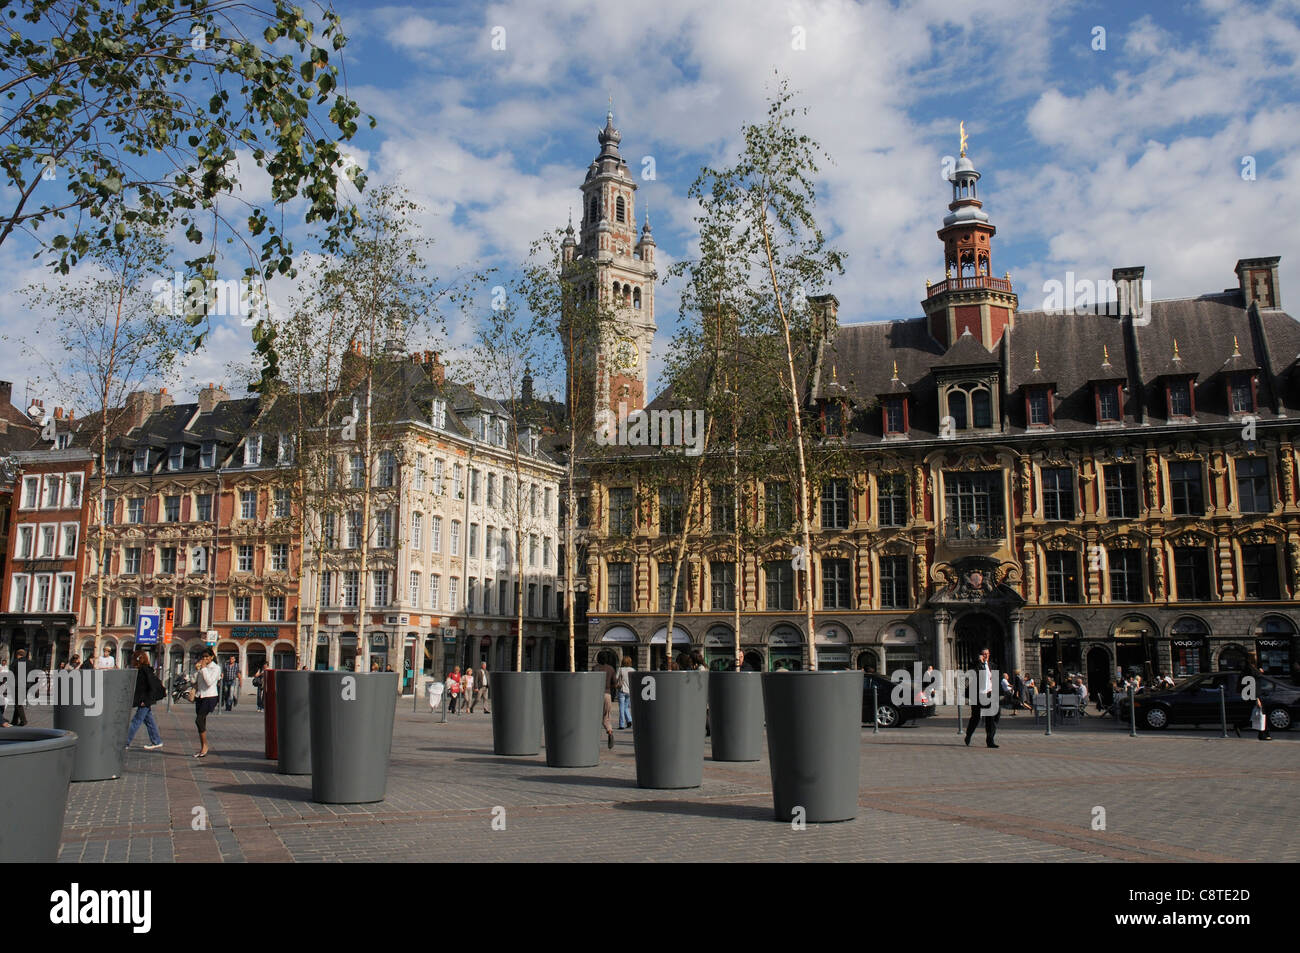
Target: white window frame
x: 31, y: 492
x: 21, y: 582
x: 414, y: 585
x: 242, y: 564
x: 70, y: 531
x: 435, y: 534
x: 435, y: 591
x: 253, y: 450
x: 245, y: 498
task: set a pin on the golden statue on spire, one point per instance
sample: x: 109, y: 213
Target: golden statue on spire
x: 962, y: 127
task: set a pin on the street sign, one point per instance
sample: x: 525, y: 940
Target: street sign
x: 168, y: 619
x: 147, y: 627
x: 211, y: 636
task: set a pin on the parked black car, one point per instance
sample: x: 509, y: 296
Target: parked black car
x: 889, y: 712
x: 1195, y: 701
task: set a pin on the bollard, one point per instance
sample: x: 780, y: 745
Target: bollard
x: 959, y: 683
x: 1132, y: 715
x: 1049, y: 713
x: 1223, y: 710
x: 875, y: 709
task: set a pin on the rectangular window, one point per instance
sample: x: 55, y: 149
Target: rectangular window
x: 171, y: 509
x: 280, y: 557
x: 1253, y: 494
x: 128, y: 611
x: 722, y: 577
x: 131, y: 560
x: 891, y: 501
x: 354, y: 529
x: 357, y: 471
x: 382, y: 587
x: 837, y: 584
x: 351, y: 588
x: 455, y: 537
x: 1058, y: 493
x: 18, y: 594
x: 1241, y: 394
x: 1125, y: 567
x: 620, y: 511
x: 31, y: 492
x: 204, y: 501
x: 671, y: 511
x: 475, y: 479
x: 65, y: 594
x: 1259, y: 571
x: 168, y: 560
x: 503, y: 598
x: 438, y: 474
x: 473, y: 539
x: 1185, y: 488
x: 894, y: 589
x: 584, y: 512
x: 421, y: 471
x: 1108, y: 405
x: 548, y: 502
x: 387, y: 468
x: 135, y: 509
x: 53, y: 491
x: 723, y: 509
x: 453, y: 593
x: 835, y: 504
x: 492, y: 490
x: 195, y: 606
x: 413, y: 590
x: 973, y: 505
x: 281, y: 503
x: 1192, y: 573
x: 440, y: 414
x: 532, y: 500
x: 778, y: 516
x: 110, y: 511
x: 384, y: 529
x: 329, y: 536
x: 435, y: 591
x: 666, y: 586
x: 47, y: 542
x: 253, y: 450
x: 458, y: 482
x: 208, y: 456
x: 1039, y: 407
x: 895, y: 415
x: 417, y: 531
x: 1121, y: 490
x: 140, y: 462
x: 1180, y: 398
x: 435, y: 533
x: 245, y: 559
x: 620, y: 587
x: 42, y: 603
x: 275, y: 608
x: 532, y: 599
x: 26, y: 542
x: 175, y: 456
x: 243, y: 608
x: 74, y: 490
x: 1062, y: 576
x: 70, y: 540
x: 532, y: 550
x: 779, y: 576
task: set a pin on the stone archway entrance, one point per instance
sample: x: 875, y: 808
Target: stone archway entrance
x: 978, y: 631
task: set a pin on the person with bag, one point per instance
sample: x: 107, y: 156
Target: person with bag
x: 259, y: 682
x: 453, y: 688
x: 148, y: 691
x: 207, y: 677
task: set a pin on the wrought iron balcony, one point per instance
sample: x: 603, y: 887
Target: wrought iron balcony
x: 984, y: 530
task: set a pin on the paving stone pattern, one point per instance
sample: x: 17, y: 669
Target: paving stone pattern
x: 925, y: 796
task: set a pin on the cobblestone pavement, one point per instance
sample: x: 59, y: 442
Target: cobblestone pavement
x: 1169, y: 796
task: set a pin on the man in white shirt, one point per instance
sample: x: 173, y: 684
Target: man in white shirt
x: 106, y: 660
x: 986, y: 705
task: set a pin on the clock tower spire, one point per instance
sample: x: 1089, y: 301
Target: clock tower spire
x: 618, y: 271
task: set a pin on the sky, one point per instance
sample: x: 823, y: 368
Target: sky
x: 1108, y: 135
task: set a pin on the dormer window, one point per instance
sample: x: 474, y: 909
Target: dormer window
x: 970, y: 405
x: 208, y: 455
x: 1038, y: 407
x: 283, y: 450
x: 894, y: 416
x: 834, y: 419
x: 253, y: 450
x: 1180, y: 398
x: 1108, y: 404
x: 141, y: 462
x: 499, y: 432
x: 1241, y: 394
x: 175, y: 456
x: 440, y: 413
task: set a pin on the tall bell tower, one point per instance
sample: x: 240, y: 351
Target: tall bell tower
x: 617, y: 270
x: 969, y: 298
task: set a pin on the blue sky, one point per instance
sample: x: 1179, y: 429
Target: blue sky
x: 1091, y: 158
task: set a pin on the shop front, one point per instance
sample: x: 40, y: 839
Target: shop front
x: 659, y: 646
x: 622, y: 641
x: 785, y: 649
x: 832, y: 645
x: 1189, y: 651
x: 1059, y: 651
x: 902, y: 645
x: 1274, y: 645
x: 720, y: 648
x: 1135, y: 647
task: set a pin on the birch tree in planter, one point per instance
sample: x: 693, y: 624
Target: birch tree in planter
x: 760, y: 211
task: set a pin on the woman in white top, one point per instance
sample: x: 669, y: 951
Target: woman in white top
x: 206, y: 679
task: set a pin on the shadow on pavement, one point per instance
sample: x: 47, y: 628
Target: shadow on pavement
x: 283, y: 792
x: 715, y: 809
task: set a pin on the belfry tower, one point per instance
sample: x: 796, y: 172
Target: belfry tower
x: 969, y: 297
x: 612, y: 266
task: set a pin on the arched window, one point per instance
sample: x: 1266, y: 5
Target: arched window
x: 981, y: 409
x: 595, y: 208
x: 957, y: 408
x: 620, y: 208
x: 636, y: 298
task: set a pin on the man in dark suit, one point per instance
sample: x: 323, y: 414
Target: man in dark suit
x: 986, y: 705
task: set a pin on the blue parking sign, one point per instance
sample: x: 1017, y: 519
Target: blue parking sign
x: 147, y: 627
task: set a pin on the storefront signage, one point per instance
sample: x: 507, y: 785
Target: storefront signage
x: 1273, y: 643
x: 254, y: 632
x: 1189, y: 643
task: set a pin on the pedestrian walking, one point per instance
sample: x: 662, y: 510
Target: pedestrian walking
x: 259, y: 682
x: 467, y: 690
x: 611, y: 683
x: 985, y: 705
x: 480, y: 689
x: 206, y: 680
x: 229, y: 680
x: 5, y: 683
x: 625, y: 693
x: 148, y: 691
x: 453, y: 688
x: 19, y: 681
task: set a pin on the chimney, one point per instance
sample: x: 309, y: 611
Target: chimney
x: 1257, y: 278
x: 6, y: 392
x: 1132, y: 294
x: 139, y: 405
x: 58, y: 413
x: 210, y: 396
x: 437, y: 370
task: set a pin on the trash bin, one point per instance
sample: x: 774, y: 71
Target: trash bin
x: 269, y: 715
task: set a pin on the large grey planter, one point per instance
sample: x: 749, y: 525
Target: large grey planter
x: 516, y: 700
x: 293, y: 721
x: 668, y: 728
x: 814, y: 743
x: 35, y: 767
x: 736, y: 715
x: 351, y: 735
x: 572, y: 703
x: 96, y: 705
